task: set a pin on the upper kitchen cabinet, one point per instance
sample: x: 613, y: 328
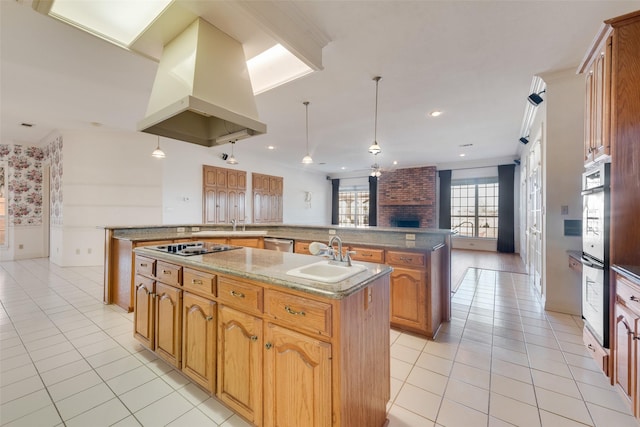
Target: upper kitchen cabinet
x: 612, y: 125
x: 267, y: 198
x: 224, y: 195
x: 598, y: 99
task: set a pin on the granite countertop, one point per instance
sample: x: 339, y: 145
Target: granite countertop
x: 631, y: 272
x: 424, y: 240
x: 270, y: 267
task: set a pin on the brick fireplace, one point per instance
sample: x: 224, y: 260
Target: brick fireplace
x: 406, y: 196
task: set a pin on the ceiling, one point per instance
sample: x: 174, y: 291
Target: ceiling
x: 473, y: 60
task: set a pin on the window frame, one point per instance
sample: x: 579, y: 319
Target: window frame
x: 476, y: 182
x: 361, y: 213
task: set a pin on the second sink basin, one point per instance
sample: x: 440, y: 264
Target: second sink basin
x: 324, y: 271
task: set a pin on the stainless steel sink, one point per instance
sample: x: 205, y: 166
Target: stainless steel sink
x: 326, y: 271
x: 229, y: 233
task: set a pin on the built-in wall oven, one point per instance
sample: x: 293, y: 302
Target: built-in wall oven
x: 595, y: 251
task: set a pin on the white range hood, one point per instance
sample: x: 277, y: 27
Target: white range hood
x: 202, y: 91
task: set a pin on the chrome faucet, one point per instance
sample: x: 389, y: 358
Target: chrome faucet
x: 234, y: 223
x: 339, y: 258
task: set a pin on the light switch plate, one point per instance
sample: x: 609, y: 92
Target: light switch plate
x: 332, y: 232
x: 195, y: 229
x: 180, y: 229
x: 410, y: 236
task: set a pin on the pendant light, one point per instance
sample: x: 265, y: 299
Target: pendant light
x: 307, y: 160
x: 158, y: 153
x: 232, y: 160
x: 375, y: 148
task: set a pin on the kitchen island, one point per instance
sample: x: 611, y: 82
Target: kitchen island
x: 277, y: 349
x: 420, y: 284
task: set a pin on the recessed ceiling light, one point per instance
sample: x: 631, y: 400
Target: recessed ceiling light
x: 343, y: 168
x: 270, y: 147
x: 435, y: 113
x: 395, y: 162
x: 462, y: 155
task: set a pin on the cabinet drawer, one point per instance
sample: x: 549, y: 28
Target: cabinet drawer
x: 414, y: 259
x: 199, y: 282
x: 145, y: 266
x: 299, y: 312
x: 628, y: 293
x: 598, y: 353
x: 367, y: 254
x: 169, y: 274
x: 301, y: 248
x: 242, y: 295
x: 247, y: 242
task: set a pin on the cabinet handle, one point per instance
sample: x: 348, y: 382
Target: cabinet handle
x: 634, y: 298
x: 196, y: 281
x: 366, y: 254
x: 209, y: 318
x: 166, y: 271
x: 591, y: 347
x: 143, y: 264
x: 295, y: 313
x: 405, y: 259
x: 268, y: 345
x: 253, y: 338
x: 237, y: 294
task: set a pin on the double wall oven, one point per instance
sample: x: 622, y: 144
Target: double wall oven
x: 595, y: 251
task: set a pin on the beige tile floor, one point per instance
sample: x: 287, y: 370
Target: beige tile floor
x: 67, y: 359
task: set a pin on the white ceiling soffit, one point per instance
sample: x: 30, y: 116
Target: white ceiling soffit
x: 257, y: 25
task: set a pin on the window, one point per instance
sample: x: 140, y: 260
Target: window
x: 474, y: 207
x: 353, y: 208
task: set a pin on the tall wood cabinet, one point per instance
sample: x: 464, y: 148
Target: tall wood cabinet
x: 224, y: 195
x: 612, y: 125
x: 267, y: 198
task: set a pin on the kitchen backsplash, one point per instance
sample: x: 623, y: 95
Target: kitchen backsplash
x: 24, y: 182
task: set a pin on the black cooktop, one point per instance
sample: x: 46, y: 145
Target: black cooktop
x: 194, y: 248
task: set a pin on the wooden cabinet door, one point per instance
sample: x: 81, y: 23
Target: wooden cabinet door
x: 168, y: 323
x: 209, y: 205
x: 297, y: 390
x: 408, y: 298
x: 240, y: 362
x: 588, y: 116
x: 198, y: 339
x: 222, y: 210
x: 209, y: 175
x: 232, y: 179
x: 143, y: 311
x: 624, y: 349
x: 221, y: 177
x: 601, y: 101
x: 232, y: 199
x: 242, y: 180
x: 257, y: 209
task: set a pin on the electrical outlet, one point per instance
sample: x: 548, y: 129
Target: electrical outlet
x: 410, y: 236
x: 20, y: 246
x: 195, y: 229
x: 332, y: 232
x: 181, y: 229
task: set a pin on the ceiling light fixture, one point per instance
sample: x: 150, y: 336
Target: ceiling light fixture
x: 232, y: 160
x: 535, y: 99
x: 375, y: 148
x: 158, y: 153
x: 307, y: 160
x: 435, y: 113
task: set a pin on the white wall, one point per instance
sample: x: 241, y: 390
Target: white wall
x: 109, y: 178
x: 182, y: 182
x: 562, y: 165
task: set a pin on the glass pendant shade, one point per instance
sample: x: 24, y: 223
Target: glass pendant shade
x: 307, y: 160
x: 158, y: 153
x: 375, y: 147
x: 232, y: 160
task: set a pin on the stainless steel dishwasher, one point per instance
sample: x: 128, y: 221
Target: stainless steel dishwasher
x: 280, y: 245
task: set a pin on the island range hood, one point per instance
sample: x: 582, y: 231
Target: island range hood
x: 202, y: 92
